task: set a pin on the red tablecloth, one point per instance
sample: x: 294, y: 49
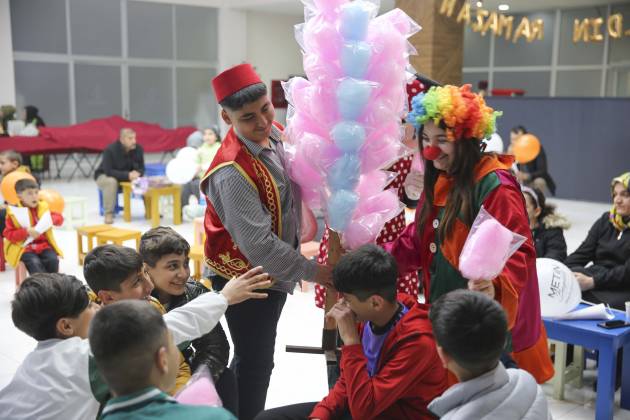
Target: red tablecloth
x: 96, y: 135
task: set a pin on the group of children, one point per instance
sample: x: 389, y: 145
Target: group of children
x: 156, y: 326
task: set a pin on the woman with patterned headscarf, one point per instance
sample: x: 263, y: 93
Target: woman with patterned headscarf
x: 607, y: 246
x: 459, y: 179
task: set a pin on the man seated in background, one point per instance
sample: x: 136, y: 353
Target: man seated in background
x: 122, y: 161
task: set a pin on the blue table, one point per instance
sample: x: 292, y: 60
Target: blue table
x: 587, y: 334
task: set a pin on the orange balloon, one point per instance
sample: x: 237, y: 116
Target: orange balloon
x: 526, y: 148
x: 8, y: 186
x: 54, y: 200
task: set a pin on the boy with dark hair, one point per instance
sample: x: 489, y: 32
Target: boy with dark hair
x: 136, y: 354
x: 115, y: 272
x: 28, y: 232
x: 470, y: 330
x: 10, y: 161
x: 55, y: 380
x: 166, y: 262
x: 252, y: 218
x: 389, y: 366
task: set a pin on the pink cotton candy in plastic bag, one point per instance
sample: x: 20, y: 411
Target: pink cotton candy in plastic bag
x: 488, y: 247
x: 200, y: 390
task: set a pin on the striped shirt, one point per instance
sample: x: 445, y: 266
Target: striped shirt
x: 248, y: 222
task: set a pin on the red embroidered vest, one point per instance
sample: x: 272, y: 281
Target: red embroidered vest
x: 222, y: 254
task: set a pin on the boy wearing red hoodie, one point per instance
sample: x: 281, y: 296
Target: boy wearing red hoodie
x: 390, y: 368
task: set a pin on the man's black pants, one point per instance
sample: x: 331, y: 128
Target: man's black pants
x: 252, y: 326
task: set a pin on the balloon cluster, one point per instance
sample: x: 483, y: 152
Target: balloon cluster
x: 344, y: 123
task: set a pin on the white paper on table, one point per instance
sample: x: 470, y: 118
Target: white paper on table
x: 600, y: 311
x: 43, y: 224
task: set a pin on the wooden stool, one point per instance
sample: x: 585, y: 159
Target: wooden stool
x: 199, y: 232
x: 20, y: 274
x: 197, y: 256
x: 152, y: 202
x: 118, y: 236
x: 74, y: 205
x: 563, y: 373
x: 90, y: 233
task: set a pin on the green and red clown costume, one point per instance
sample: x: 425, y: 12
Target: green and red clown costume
x: 466, y: 116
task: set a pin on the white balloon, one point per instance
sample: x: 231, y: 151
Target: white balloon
x: 180, y: 171
x: 494, y: 144
x: 559, y: 289
x: 187, y: 154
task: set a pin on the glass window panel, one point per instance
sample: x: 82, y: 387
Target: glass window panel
x: 150, y: 30
x: 578, y: 83
x: 39, y: 25
x: 46, y: 86
x: 196, y: 104
x: 534, y: 83
x: 623, y: 83
x: 580, y: 52
x: 95, y: 27
x: 474, y: 78
x: 151, y: 95
x: 620, y: 48
x: 476, y: 49
x: 523, y: 53
x: 97, y: 91
x: 197, y: 33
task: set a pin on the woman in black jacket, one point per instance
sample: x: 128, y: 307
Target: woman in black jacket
x: 547, y: 226
x: 607, y: 247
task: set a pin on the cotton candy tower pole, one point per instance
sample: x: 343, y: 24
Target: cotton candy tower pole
x: 344, y: 123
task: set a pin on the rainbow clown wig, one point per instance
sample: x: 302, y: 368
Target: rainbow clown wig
x: 463, y: 112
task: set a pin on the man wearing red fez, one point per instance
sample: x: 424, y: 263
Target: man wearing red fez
x: 253, y: 219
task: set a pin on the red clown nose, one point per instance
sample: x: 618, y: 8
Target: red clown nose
x: 431, y: 152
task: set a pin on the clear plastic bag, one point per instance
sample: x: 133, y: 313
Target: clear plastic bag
x: 200, y: 390
x: 488, y: 247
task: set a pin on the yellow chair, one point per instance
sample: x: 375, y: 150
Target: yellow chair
x: 197, y: 256
x: 90, y: 233
x: 118, y: 236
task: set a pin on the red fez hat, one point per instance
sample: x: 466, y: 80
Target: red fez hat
x: 234, y: 79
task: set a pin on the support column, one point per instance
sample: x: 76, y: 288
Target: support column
x: 440, y: 43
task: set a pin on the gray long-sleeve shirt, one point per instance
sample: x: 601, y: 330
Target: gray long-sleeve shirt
x: 248, y: 222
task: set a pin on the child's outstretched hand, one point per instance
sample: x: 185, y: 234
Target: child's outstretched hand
x: 242, y: 288
x: 32, y: 232
x: 346, y: 322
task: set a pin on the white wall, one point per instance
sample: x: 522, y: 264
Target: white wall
x: 271, y: 46
x: 7, y: 74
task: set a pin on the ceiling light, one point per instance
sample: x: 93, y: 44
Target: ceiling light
x: 504, y: 7
x: 479, y: 4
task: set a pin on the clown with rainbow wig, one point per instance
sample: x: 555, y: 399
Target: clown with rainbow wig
x: 460, y: 178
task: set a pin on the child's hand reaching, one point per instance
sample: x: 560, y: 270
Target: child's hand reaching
x: 242, y: 288
x: 32, y: 232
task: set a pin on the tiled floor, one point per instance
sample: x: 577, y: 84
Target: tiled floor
x: 297, y: 377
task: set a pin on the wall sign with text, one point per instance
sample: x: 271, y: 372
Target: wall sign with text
x: 501, y: 25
